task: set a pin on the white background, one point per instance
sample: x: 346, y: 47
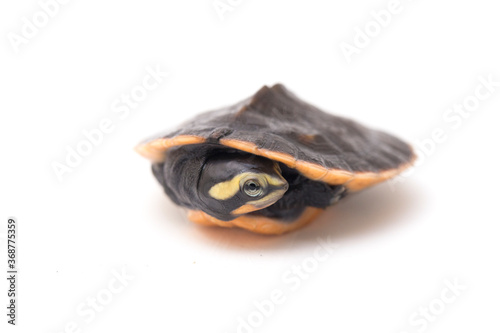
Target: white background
x: 397, y: 245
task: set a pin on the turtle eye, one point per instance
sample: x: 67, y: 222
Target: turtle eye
x: 252, y: 188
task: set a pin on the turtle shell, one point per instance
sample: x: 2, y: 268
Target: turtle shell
x: 276, y: 124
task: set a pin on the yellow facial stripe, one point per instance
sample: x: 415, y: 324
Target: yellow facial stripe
x: 273, y: 180
x: 227, y: 189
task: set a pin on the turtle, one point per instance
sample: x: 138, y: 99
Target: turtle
x: 270, y: 163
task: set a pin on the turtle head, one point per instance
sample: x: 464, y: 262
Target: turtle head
x: 231, y: 185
